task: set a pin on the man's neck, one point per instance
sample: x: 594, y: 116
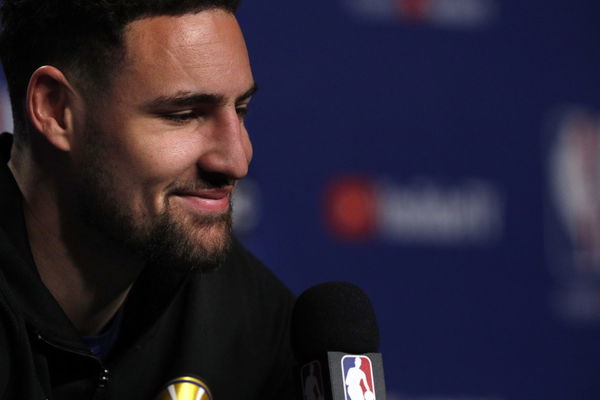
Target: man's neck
x: 89, y: 278
x: 89, y: 283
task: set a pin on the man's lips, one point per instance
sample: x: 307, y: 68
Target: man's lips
x: 207, y: 200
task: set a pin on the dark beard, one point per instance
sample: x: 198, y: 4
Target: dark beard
x: 166, y: 241
x: 169, y: 243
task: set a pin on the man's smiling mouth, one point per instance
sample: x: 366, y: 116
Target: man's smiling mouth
x: 207, y: 200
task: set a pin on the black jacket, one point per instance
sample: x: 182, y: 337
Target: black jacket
x: 229, y: 328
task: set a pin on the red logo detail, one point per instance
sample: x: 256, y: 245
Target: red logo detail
x: 351, y: 208
x: 413, y: 10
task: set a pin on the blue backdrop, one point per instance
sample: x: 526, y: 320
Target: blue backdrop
x: 442, y: 154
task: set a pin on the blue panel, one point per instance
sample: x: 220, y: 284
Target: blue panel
x: 404, y: 145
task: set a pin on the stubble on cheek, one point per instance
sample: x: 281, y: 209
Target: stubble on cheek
x: 169, y: 236
x: 142, y: 219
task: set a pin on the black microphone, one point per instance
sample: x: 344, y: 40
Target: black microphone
x: 336, y: 338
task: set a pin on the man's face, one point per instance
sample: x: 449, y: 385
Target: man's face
x: 160, y: 152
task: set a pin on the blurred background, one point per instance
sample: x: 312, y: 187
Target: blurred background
x: 444, y: 155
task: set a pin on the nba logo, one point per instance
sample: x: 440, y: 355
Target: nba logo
x: 358, y: 378
x: 312, y: 381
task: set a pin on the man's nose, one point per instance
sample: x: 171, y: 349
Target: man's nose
x: 229, y: 149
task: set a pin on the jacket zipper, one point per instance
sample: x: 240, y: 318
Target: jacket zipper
x: 104, y: 372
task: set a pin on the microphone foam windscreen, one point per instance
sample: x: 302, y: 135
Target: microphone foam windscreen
x: 333, y: 316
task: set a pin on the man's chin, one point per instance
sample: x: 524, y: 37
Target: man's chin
x: 211, y: 246
x: 200, y: 245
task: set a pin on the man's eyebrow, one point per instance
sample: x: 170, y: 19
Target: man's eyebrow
x: 186, y: 99
x: 249, y: 93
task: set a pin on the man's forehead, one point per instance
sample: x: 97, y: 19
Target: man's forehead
x: 203, y: 52
x: 208, y: 29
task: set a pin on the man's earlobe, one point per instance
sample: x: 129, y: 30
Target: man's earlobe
x: 50, y: 105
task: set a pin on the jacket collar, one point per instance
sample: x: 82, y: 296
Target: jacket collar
x: 42, y: 313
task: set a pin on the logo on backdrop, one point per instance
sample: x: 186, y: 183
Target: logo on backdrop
x: 419, y: 211
x: 6, y: 122
x: 185, y: 388
x: 351, y: 207
x: 448, y: 13
x: 246, y: 206
x: 358, y: 378
x: 573, y: 229
x: 312, y: 381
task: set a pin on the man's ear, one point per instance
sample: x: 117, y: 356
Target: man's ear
x: 50, y: 105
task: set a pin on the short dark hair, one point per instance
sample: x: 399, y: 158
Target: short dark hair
x: 83, y: 38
